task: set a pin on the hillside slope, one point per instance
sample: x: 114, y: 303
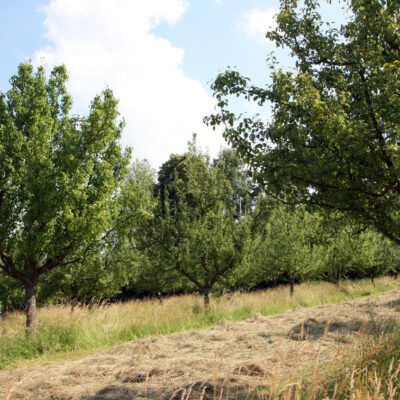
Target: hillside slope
x: 229, y: 357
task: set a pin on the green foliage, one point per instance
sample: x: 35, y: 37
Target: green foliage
x: 284, y: 251
x: 344, y: 249
x: 374, y: 255
x: 194, y: 234
x: 114, y: 262
x: 58, y: 175
x: 11, y: 293
x: 236, y: 172
x: 333, y: 139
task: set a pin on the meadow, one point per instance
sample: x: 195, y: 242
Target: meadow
x: 66, y: 334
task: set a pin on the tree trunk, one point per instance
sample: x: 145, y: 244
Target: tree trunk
x: 74, y: 303
x: 31, y: 314
x: 373, y: 281
x: 4, y: 312
x: 291, y: 287
x: 338, y: 277
x: 74, y: 299
x: 206, y: 295
x: 336, y: 282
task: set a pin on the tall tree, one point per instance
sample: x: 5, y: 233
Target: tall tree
x: 236, y: 172
x: 333, y: 139
x: 58, y: 175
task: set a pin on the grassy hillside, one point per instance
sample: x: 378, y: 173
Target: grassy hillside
x: 63, y: 333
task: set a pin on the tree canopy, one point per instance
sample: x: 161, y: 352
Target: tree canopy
x: 58, y: 176
x: 195, y: 233
x: 333, y: 137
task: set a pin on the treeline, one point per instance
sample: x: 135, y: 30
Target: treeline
x: 203, y: 225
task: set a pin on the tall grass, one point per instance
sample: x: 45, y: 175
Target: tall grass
x: 87, y: 329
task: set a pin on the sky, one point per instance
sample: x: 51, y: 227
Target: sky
x: 158, y: 56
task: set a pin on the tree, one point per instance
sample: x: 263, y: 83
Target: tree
x: 58, y: 176
x: 194, y: 233
x: 333, y: 138
x: 236, y: 172
x: 335, y: 254
x: 109, y: 265
x: 284, y: 251
x: 374, y: 255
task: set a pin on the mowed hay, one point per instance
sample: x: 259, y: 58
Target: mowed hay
x: 228, y: 361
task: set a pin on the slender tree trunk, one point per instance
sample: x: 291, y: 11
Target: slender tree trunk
x: 373, y: 281
x: 74, y: 300
x: 4, y: 313
x: 31, y: 314
x: 74, y: 303
x: 338, y: 277
x: 206, y: 295
x: 291, y: 287
x: 206, y: 290
x: 338, y: 271
x: 336, y: 282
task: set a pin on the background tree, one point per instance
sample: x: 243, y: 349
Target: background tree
x: 58, y: 176
x: 110, y: 265
x: 284, y: 248
x: 333, y: 139
x: 336, y: 252
x: 11, y: 294
x: 236, y: 172
x: 375, y: 255
x: 195, y: 234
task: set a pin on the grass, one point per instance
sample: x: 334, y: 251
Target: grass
x: 371, y: 371
x: 66, y: 334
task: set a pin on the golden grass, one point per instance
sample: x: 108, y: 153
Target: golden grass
x: 295, y: 355
x: 187, y: 307
x: 268, y: 356
x: 85, y: 330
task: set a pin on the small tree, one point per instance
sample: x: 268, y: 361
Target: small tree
x: 336, y: 252
x: 374, y: 255
x: 58, y: 175
x: 284, y: 249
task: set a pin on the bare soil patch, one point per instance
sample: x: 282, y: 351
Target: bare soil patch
x: 226, y: 361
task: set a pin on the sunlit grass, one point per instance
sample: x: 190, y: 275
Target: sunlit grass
x: 370, y: 371
x: 84, y: 330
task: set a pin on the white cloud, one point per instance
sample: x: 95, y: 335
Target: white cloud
x: 256, y: 23
x: 109, y: 43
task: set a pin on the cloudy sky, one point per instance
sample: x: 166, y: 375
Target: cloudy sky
x: 158, y: 56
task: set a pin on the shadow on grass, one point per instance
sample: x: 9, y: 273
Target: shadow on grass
x: 340, y: 331
x: 195, y: 391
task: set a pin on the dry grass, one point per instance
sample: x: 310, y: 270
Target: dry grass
x: 180, y: 313
x: 262, y: 357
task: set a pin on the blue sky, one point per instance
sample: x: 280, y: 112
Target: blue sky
x: 158, y: 56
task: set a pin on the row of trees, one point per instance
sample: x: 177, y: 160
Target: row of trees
x: 75, y: 221
x: 203, y: 226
